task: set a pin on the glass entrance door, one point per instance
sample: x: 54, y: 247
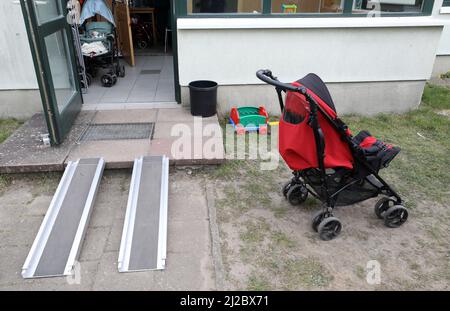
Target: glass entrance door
x: 51, y: 43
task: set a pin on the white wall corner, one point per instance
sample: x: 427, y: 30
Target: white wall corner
x: 437, y: 7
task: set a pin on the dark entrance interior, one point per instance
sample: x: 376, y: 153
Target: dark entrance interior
x: 144, y: 41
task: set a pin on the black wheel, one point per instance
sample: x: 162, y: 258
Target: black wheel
x: 395, y: 216
x: 329, y: 228
x: 286, y: 188
x: 114, y: 78
x: 142, y: 44
x: 88, y: 78
x: 297, y: 194
x: 382, y: 206
x: 107, y: 80
x: 92, y: 71
x: 317, y: 219
x: 121, y: 71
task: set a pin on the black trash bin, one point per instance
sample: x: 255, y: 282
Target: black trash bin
x: 203, y: 96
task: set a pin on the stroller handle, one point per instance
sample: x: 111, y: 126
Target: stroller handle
x: 266, y: 76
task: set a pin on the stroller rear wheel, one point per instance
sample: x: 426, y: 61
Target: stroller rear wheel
x: 395, y: 216
x: 120, y: 71
x: 382, y: 206
x: 109, y: 79
x: 142, y: 44
x: 297, y: 194
x: 329, y: 228
x: 89, y: 78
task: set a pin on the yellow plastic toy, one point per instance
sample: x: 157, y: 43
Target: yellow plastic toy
x: 289, y: 8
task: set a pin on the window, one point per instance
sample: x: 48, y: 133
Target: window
x: 224, y: 6
x: 307, y: 6
x: 388, y: 6
x: 446, y: 3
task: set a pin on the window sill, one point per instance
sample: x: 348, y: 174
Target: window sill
x: 292, y: 23
x: 445, y: 10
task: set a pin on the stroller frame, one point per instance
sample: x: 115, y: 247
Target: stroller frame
x: 109, y: 60
x: 329, y: 227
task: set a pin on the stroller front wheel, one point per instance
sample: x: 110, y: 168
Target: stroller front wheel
x: 382, y: 206
x: 297, y: 194
x: 395, y: 216
x: 286, y: 188
x: 317, y: 219
x: 329, y: 228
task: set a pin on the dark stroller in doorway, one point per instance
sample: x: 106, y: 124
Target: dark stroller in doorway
x: 142, y: 33
x: 328, y: 162
x: 99, y: 44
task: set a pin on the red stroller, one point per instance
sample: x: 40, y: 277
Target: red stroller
x: 328, y: 162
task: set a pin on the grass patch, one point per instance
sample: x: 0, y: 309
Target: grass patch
x: 255, y: 231
x: 436, y: 97
x: 228, y: 169
x: 258, y: 283
x: 280, y: 239
x: 5, y: 181
x: 306, y: 272
x: 360, y: 272
x: 421, y: 170
x: 273, y: 263
x: 43, y: 183
x: 7, y: 127
x: 445, y: 75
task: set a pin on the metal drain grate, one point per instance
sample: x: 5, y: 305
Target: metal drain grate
x: 150, y: 72
x: 118, y: 131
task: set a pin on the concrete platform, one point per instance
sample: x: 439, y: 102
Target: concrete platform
x: 177, y: 134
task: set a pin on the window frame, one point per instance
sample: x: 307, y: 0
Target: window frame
x: 181, y: 5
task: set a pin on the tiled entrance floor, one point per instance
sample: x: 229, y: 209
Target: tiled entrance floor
x: 151, y: 80
x: 184, y: 139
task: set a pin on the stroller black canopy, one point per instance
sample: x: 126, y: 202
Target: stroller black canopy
x: 314, y: 83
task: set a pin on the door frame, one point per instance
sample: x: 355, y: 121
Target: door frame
x: 58, y: 122
x: 175, y: 10
x: 119, y: 31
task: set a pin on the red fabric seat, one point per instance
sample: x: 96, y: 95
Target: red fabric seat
x: 296, y: 138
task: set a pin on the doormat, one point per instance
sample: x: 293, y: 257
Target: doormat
x: 118, y: 131
x: 150, y: 72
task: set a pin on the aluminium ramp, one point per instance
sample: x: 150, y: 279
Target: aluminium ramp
x: 59, y: 239
x: 144, y: 236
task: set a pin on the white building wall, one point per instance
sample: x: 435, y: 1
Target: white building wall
x: 444, y: 45
x: 339, y: 52
x: 371, y: 65
x: 443, y: 13
x: 442, y: 63
x: 16, y: 63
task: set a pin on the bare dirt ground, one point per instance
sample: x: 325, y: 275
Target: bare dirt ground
x: 265, y: 243
x: 269, y: 245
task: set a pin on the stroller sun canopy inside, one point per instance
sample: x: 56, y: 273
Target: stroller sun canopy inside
x: 94, y: 7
